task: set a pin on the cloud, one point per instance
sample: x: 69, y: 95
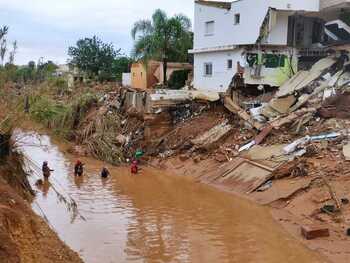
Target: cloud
x: 49, y: 27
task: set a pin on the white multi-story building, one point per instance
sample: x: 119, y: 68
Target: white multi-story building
x: 259, y: 40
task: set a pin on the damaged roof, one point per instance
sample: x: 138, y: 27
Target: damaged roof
x: 219, y: 4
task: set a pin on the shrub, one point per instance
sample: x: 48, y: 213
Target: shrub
x: 178, y: 79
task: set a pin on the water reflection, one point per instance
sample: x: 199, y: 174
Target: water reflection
x: 153, y: 217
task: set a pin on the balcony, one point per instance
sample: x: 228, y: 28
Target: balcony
x: 330, y: 4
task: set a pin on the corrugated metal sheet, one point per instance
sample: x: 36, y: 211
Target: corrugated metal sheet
x: 240, y: 175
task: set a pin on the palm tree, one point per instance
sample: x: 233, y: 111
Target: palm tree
x: 162, y: 38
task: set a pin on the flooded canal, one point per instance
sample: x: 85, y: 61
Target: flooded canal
x: 154, y: 217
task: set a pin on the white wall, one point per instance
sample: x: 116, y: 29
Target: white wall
x: 222, y: 76
x: 126, y: 79
x: 252, y: 14
x: 279, y: 33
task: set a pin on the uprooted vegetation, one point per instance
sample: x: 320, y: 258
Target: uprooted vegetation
x: 84, y: 116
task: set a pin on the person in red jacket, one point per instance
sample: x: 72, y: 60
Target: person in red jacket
x: 134, y: 167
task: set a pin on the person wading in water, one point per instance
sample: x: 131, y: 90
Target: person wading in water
x: 134, y: 167
x: 46, y: 170
x: 78, y: 168
x: 104, y: 173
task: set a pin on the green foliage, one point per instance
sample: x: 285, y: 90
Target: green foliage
x: 94, y: 57
x: 61, y: 117
x: 163, y: 38
x: 27, y: 74
x: 59, y: 85
x: 121, y: 65
x: 178, y: 79
x: 46, y: 111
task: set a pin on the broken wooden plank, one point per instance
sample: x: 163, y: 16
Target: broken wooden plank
x: 304, y: 78
x: 263, y: 134
x: 276, y: 124
x: 209, y: 138
x: 235, y: 108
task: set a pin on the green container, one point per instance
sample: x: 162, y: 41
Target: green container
x: 138, y: 154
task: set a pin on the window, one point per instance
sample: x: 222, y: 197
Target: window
x: 237, y: 19
x: 208, y: 69
x: 209, y: 28
x: 229, y: 64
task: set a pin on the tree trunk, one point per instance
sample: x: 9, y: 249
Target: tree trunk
x: 165, y: 68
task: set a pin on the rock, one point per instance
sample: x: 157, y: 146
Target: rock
x: 221, y: 158
x: 310, y: 232
x: 345, y: 201
x: 197, y: 159
x: 183, y: 157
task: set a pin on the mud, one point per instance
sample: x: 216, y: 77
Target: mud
x: 154, y: 217
x: 25, y: 237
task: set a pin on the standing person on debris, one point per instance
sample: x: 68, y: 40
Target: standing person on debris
x: 134, y: 167
x: 46, y: 170
x: 104, y: 173
x: 78, y: 168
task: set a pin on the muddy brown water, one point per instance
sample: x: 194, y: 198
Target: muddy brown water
x: 154, y: 217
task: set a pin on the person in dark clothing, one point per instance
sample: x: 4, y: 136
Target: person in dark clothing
x: 46, y: 170
x: 78, y: 168
x: 104, y: 173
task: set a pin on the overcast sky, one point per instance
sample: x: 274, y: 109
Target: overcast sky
x: 46, y: 28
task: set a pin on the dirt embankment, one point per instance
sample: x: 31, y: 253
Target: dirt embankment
x: 297, y: 193
x: 24, y: 236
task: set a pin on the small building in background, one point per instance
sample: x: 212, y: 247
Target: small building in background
x: 126, y: 79
x: 145, y: 76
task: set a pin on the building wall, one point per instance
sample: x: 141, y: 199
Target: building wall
x: 228, y: 34
x: 138, y: 76
x: 222, y: 76
x: 279, y: 33
x: 126, y: 79
x: 252, y: 14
